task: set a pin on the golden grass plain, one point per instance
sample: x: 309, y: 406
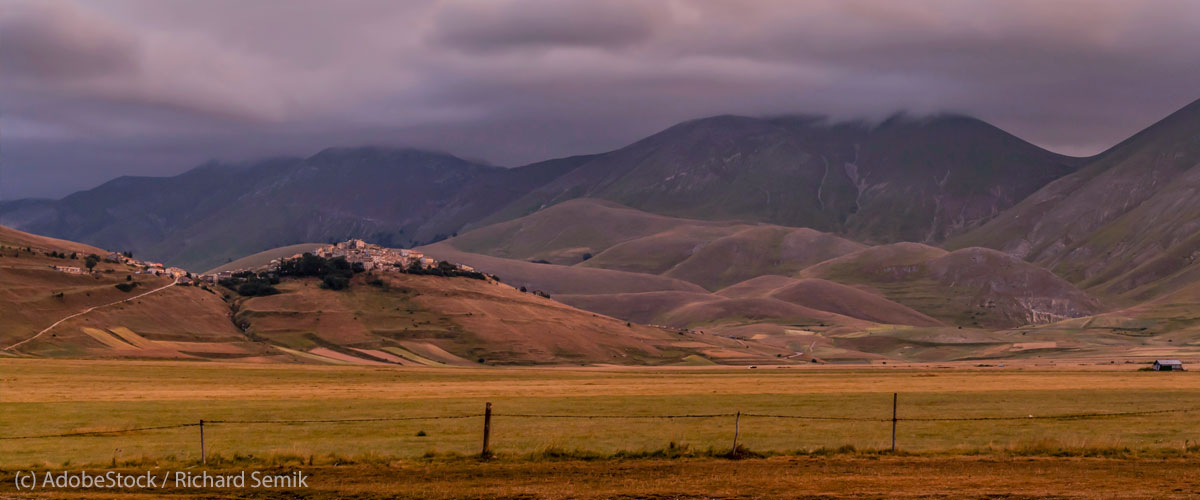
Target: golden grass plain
x: 64, y: 396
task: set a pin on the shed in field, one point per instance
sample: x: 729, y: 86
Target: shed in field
x: 1168, y: 365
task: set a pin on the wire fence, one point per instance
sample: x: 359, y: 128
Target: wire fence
x: 487, y: 415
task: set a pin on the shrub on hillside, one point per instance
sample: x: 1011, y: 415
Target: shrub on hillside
x: 335, y: 282
x: 256, y: 287
x: 127, y: 287
x: 445, y: 269
x: 335, y: 273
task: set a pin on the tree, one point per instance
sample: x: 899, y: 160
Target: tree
x: 334, y: 282
x: 91, y: 261
x: 256, y: 288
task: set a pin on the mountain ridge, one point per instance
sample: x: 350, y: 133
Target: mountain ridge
x: 792, y: 170
x: 1137, y: 204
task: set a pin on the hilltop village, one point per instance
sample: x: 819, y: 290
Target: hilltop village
x: 143, y: 267
x: 369, y: 256
x: 358, y: 253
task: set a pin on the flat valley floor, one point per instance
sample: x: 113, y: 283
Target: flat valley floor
x: 1034, y: 430
x: 778, y: 477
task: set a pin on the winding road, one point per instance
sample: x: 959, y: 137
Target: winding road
x: 88, y: 310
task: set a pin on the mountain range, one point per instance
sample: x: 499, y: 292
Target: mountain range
x: 914, y: 238
x: 904, y: 179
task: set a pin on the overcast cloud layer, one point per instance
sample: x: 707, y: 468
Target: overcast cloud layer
x: 92, y: 90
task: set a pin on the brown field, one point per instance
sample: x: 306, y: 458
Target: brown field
x: 779, y: 477
x: 1143, y: 456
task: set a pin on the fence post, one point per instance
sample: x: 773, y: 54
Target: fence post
x: 737, y: 429
x: 895, y: 397
x: 487, y: 430
x: 203, y: 456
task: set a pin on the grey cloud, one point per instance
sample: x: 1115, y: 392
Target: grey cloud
x: 39, y: 41
x: 492, y: 26
x: 161, y: 85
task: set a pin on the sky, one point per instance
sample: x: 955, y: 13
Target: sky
x: 91, y: 90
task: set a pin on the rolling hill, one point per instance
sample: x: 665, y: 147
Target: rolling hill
x: 262, y: 259
x: 598, y: 234
x: 747, y: 268
x: 972, y: 287
x: 177, y: 322
x: 428, y: 320
x: 386, y: 319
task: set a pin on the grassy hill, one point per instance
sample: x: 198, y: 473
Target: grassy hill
x: 264, y: 258
x: 382, y: 319
x: 598, y: 234
x: 972, y: 287
x: 1123, y: 227
x: 179, y: 322
x: 745, y: 267
x: 427, y: 320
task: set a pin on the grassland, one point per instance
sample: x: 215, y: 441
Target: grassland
x: 778, y: 477
x: 261, y: 259
x: 62, y: 396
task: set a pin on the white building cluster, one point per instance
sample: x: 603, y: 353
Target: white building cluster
x: 372, y: 257
x: 144, y: 267
x: 375, y: 257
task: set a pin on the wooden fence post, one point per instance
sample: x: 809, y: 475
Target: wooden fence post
x: 737, y: 429
x: 895, y: 397
x: 203, y: 455
x: 487, y: 430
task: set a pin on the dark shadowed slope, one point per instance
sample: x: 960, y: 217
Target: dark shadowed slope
x: 906, y: 179
x: 215, y: 213
x: 1129, y: 220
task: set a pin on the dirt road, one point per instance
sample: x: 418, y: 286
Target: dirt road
x: 85, y: 311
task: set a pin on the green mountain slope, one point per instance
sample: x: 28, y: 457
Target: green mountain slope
x: 971, y: 287
x: 906, y: 179
x: 1126, y: 226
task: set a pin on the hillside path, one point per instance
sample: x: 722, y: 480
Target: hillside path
x: 88, y: 310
